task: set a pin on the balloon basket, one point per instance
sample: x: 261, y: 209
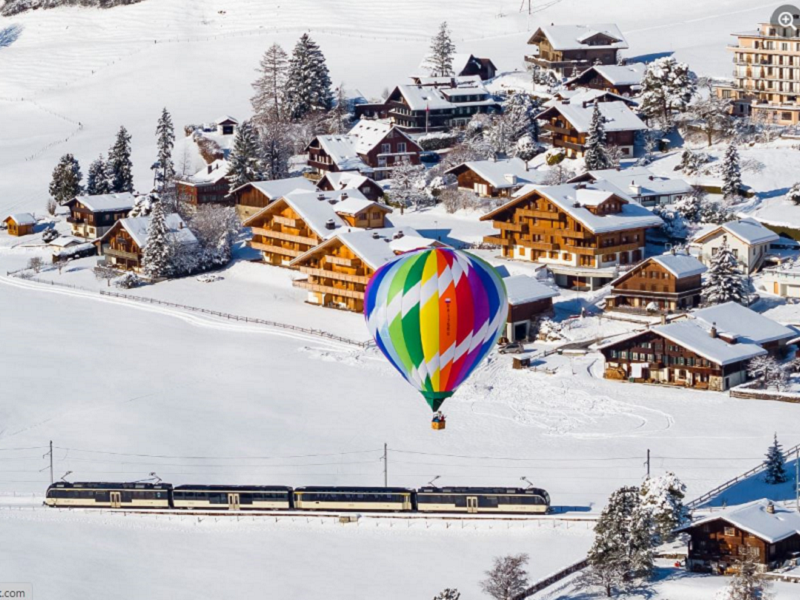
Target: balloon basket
x: 438, y: 425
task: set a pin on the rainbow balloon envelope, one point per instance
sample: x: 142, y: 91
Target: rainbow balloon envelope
x: 435, y: 314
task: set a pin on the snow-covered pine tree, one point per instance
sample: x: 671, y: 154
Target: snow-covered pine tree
x: 663, y: 497
x: 244, y: 164
x: 667, y: 86
x: 448, y: 594
x: 724, y: 282
x: 731, y: 174
x: 269, y: 87
x: 96, y: 181
x: 689, y: 206
x: 158, y: 251
x: 440, y: 59
x: 508, y: 577
x: 408, y: 181
x: 794, y: 194
x: 165, y: 141
x: 308, y: 83
x: 775, y: 464
x: 526, y: 148
x: 746, y: 584
x: 499, y: 137
x: 275, y: 149
x: 597, y: 155
x: 520, y: 112
x: 119, y: 168
x: 66, y: 181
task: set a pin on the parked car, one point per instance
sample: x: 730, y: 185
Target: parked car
x: 512, y: 348
x: 429, y: 157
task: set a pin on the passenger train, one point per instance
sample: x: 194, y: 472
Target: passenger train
x: 242, y: 497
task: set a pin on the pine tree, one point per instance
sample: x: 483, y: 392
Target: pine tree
x: 276, y: 149
x: 667, y: 86
x: 308, y: 83
x: 165, y: 142
x: 66, y: 181
x: 96, y: 181
x: 731, y: 174
x: 724, y: 281
x: 663, y: 498
x: 340, y: 119
x: 119, y: 168
x: 157, y: 254
x: 597, y: 156
x: 775, y: 464
x: 448, y: 594
x: 746, y: 584
x: 407, y: 183
x: 440, y: 60
x: 520, y: 112
x: 244, y: 165
x: 508, y: 578
x: 269, y: 97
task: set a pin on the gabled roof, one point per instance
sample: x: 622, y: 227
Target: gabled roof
x: 615, y: 74
x: 576, y: 37
x: 420, y: 97
x: 370, y: 133
x: 522, y: 289
x: 353, y: 206
x: 744, y: 324
x: 279, y: 187
x: 226, y: 119
x: 649, y: 183
x: 137, y: 229
x: 747, y: 230
x: 698, y: 339
x: 587, y: 96
x: 346, y: 180
x: 573, y: 198
x: 680, y: 265
x: 617, y: 115
x: 342, y: 151
x: 22, y: 218
x: 212, y: 173
x: 756, y: 518
x: 108, y: 202
x: 501, y: 174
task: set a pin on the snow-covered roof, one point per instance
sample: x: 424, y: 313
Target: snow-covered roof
x: 573, y: 198
x: 742, y: 323
x: 420, y: 97
x: 280, y: 187
x: 342, y: 151
x: 353, y: 205
x: 22, y: 218
x: 617, y: 74
x: 370, y: 133
x: 576, y: 37
x: 225, y: 119
x: 680, y: 265
x: 137, y: 228
x: 756, y: 518
x: 699, y: 340
x: 65, y: 241
x: 617, y: 115
x: 458, y: 80
x: 501, y: 174
x: 587, y: 96
x: 108, y: 202
x: 747, y: 230
x: 522, y: 289
x: 639, y: 181
x: 346, y: 180
x: 212, y: 173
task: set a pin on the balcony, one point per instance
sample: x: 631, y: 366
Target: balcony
x: 560, y: 130
x: 108, y: 251
x: 287, y: 237
x: 503, y: 225
x: 327, y: 289
x: 274, y: 249
x: 344, y: 262
x: 538, y: 214
x: 326, y: 274
x: 496, y: 239
x: 286, y: 221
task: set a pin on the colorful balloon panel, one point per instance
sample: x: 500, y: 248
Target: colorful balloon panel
x: 435, y: 314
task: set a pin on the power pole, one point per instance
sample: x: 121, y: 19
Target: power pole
x: 50, y: 454
x: 648, y: 463
x: 385, y: 465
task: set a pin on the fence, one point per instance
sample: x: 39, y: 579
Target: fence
x: 551, y: 579
x: 746, y: 392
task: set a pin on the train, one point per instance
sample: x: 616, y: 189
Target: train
x: 136, y: 495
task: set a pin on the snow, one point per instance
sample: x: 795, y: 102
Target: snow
x: 420, y: 97
x: 341, y: 149
x: 108, y: 202
x: 522, y: 289
x: 345, y: 180
x: 680, y: 265
x: 504, y: 173
x: 630, y: 74
x: 587, y: 96
x: 22, y: 218
x: 353, y: 206
x: 640, y: 181
x: 743, y: 323
x: 574, y: 37
x: 137, y: 228
x: 749, y: 231
x: 281, y: 187
x: 617, y: 115
x: 755, y: 517
x: 212, y: 173
x: 697, y: 339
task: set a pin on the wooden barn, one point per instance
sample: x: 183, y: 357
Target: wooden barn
x: 226, y: 125
x: 208, y: 186
x: 256, y: 195
x: 20, y: 224
x: 762, y: 532
x: 528, y: 298
x: 92, y: 216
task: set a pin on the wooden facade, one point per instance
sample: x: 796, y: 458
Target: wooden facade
x: 368, y: 187
x: 280, y: 234
x: 563, y: 134
x: 120, y: 249
x: 92, y: 224
x: 650, y: 283
x: 571, y: 62
x: 18, y: 228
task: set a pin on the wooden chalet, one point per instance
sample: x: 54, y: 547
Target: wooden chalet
x: 620, y: 79
x: 660, y: 284
x: 640, y: 184
x: 528, y: 298
x: 737, y: 323
x: 20, y: 224
x: 683, y: 353
x: 210, y: 185
x: 369, y: 188
x: 494, y: 178
x: 123, y: 244
x: 295, y: 223
x: 761, y: 532
x: 340, y: 267
x: 582, y: 232
x: 569, y: 49
x: 568, y: 123
x: 431, y: 108
x: 92, y: 216
x: 371, y: 148
x: 252, y: 197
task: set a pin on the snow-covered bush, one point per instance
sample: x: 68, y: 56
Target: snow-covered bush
x: 794, y: 193
x: 550, y: 331
x: 692, y: 162
x: 439, y: 140
x: 128, y: 281
x: 746, y: 584
x: 674, y: 226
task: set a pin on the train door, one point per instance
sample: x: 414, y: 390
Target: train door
x: 233, y: 501
x: 116, y: 499
x: 472, y: 504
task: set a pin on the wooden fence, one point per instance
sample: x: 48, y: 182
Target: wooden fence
x: 551, y: 579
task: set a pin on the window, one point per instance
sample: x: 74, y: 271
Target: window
x: 401, y: 147
x: 730, y: 531
x: 386, y: 148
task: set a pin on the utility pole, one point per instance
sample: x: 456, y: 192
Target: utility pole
x: 50, y: 454
x: 385, y: 465
x: 648, y: 463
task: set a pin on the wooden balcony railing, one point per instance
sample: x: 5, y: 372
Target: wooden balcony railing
x: 327, y: 274
x: 327, y: 289
x: 274, y: 249
x: 287, y: 237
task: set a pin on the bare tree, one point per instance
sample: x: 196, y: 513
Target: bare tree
x: 35, y: 264
x: 102, y: 271
x: 507, y: 578
x: 746, y: 584
x: 51, y: 206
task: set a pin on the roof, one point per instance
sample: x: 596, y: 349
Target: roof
x: 501, y: 174
x: 211, y: 173
x: 226, y: 119
x: 65, y: 241
x: 342, y: 151
x: 680, y: 265
x: 616, y: 74
x: 354, y: 205
x: 748, y: 230
x: 586, y: 96
x: 108, y: 202
x: 280, y: 187
x: 420, y: 97
x: 22, y: 218
x: 754, y: 517
x: 137, y: 228
x: 575, y: 37
x: 744, y: 324
x: 370, y: 133
x: 346, y: 180
x: 522, y: 289
x: 573, y: 198
x: 458, y: 80
x: 617, y: 115
x: 639, y: 177
x: 698, y: 339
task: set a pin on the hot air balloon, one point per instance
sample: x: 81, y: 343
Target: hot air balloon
x: 435, y: 314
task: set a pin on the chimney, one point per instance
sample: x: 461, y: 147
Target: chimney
x: 330, y: 224
x: 663, y: 319
x: 320, y: 196
x: 398, y: 235
x: 512, y: 179
x: 210, y: 168
x: 343, y: 196
x: 714, y: 334
x: 375, y: 235
x: 771, y: 508
x: 635, y: 189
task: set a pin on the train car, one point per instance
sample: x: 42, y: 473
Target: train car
x: 353, y: 498
x: 109, y: 495
x: 483, y: 500
x: 232, y: 497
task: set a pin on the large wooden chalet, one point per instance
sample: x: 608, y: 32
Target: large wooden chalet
x: 92, y: 216
x: 426, y: 108
x: 569, y: 49
x: 760, y: 532
x: 582, y: 232
x: 252, y: 197
x: 666, y: 283
x: 374, y: 148
x: 737, y: 323
x: 210, y: 185
x: 683, y: 353
x: 297, y: 222
x: 619, y: 79
x: 339, y: 268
